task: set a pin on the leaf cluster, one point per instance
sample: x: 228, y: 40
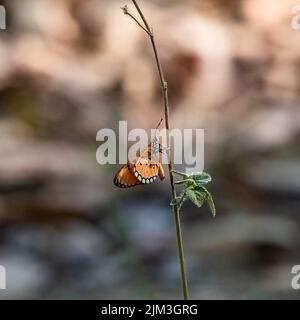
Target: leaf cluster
x: 194, y: 189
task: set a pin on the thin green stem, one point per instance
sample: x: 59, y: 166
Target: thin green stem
x: 164, y: 87
x: 185, y: 290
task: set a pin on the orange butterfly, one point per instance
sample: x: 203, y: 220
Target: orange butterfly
x: 143, y: 170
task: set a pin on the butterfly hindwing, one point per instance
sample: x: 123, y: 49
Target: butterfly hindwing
x: 146, y: 171
x: 161, y: 172
x: 125, y: 177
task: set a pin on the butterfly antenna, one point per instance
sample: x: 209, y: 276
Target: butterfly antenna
x: 157, y: 127
x: 159, y: 123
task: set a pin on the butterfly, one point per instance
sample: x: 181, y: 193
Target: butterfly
x: 143, y: 169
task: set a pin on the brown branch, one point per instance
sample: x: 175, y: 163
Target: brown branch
x: 126, y: 12
x: 164, y: 87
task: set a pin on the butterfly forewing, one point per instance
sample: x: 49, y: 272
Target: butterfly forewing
x: 125, y: 177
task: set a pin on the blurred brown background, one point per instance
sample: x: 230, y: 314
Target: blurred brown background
x: 71, y: 67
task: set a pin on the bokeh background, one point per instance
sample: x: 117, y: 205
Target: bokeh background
x: 71, y: 67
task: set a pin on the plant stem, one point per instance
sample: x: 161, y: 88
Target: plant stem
x: 164, y: 87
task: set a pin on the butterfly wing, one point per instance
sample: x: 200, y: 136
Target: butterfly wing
x: 125, y: 177
x: 161, y: 172
x: 145, y: 171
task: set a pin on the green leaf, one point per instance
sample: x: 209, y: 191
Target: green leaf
x: 194, y: 190
x: 197, y: 197
x: 182, y: 174
x: 210, y: 202
x: 202, y: 178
